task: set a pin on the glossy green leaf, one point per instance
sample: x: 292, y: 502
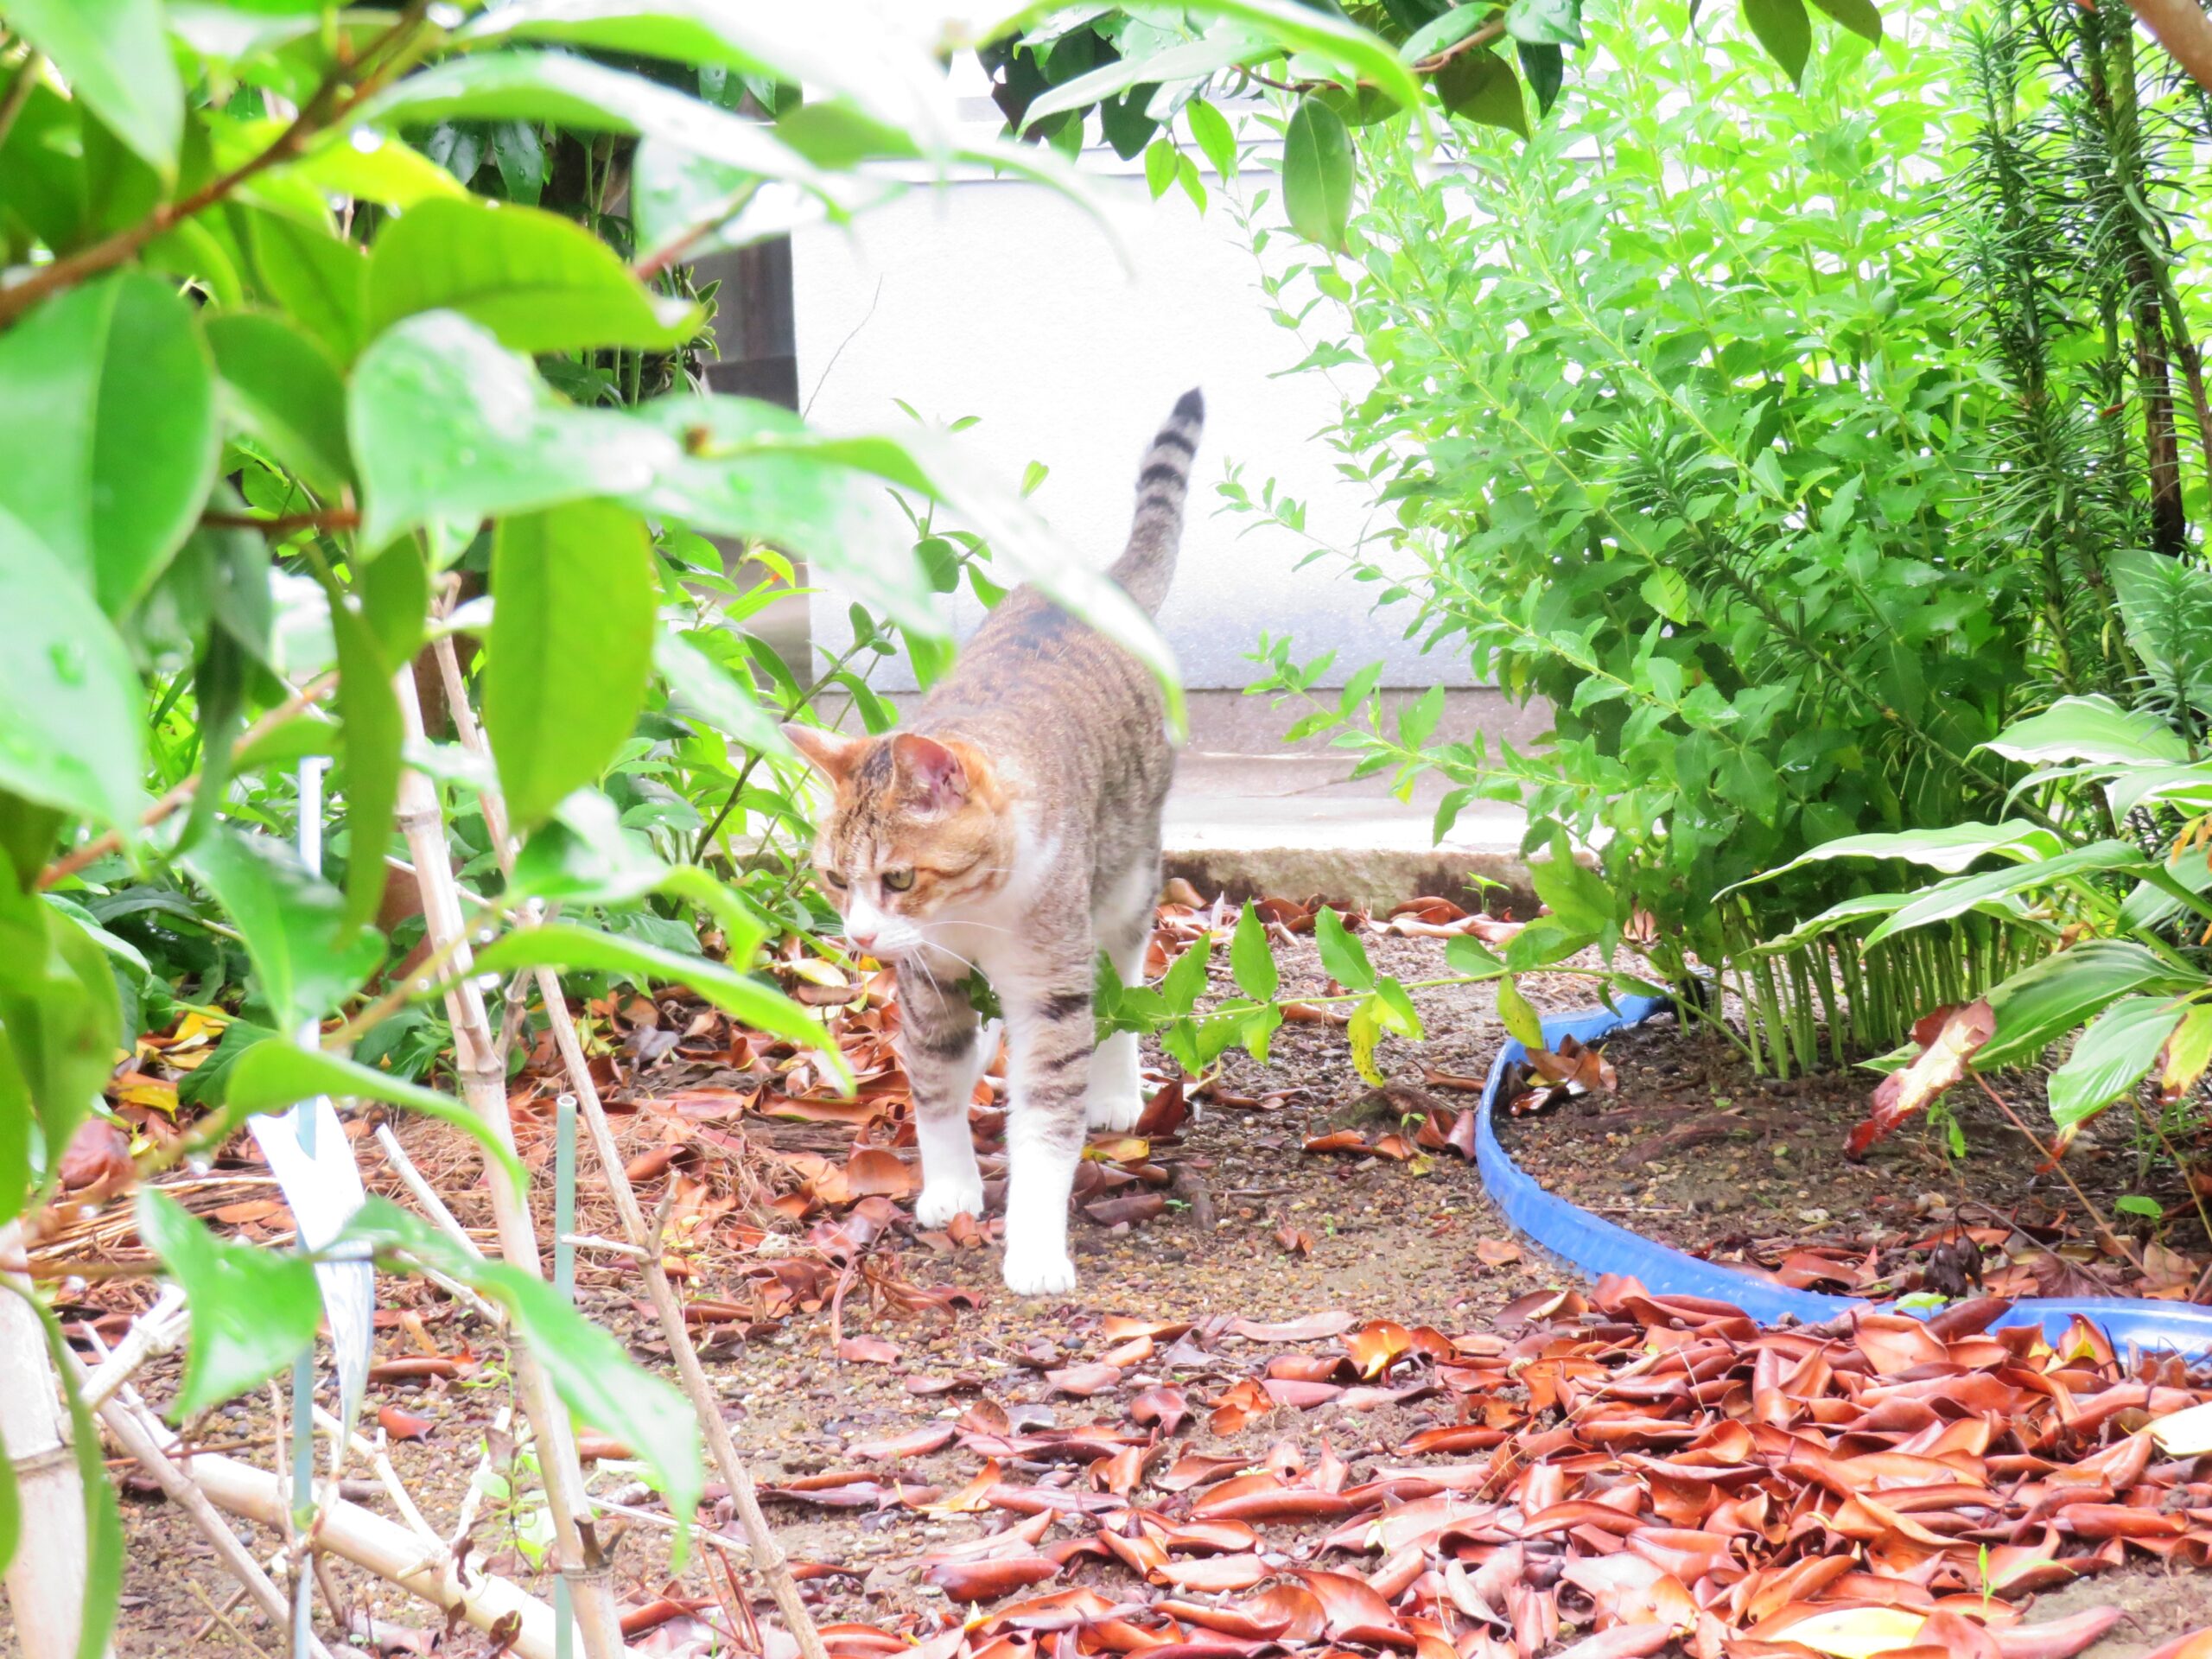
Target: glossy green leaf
x: 2165, y: 605
x: 277, y: 1074
x: 1317, y: 173
x: 699, y: 686
x: 1185, y: 61
x: 253, y: 1309
x: 1481, y: 86
x: 370, y: 776
x: 1250, y: 959
x: 588, y: 1367
x: 1577, y: 897
x: 11, y: 1506
x: 110, y: 387
x: 1466, y: 954
x: 2042, y: 1003
x: 1394, y: 1008
x: 540, y: 282
x: 15, y: 1120
x: 1544, y: 68
x: 371, y: 167
x: 449, y: 424
x: 1215, y: 137
x: 394, y: 590
x: 321, y: 282
x: 2090, y: 728
x: 584, y: 855
x: 1185, y: 981
x: 1521, y: 1019
x: 283, y: 388
x: 1446, y: 29
x: 306, y: 958
x: 570, y: 650
x: 2112, y: 1056
x: 1962, y: 893
x: 1784, y: 29
x: 1545, y: 23
x: 566, y: 945
x: 1343, y: 958
x: 1859, y: 17
x: 1949, y: 848
x: 115, y: 55
x: 71, y: 715
x: 59, y: 1005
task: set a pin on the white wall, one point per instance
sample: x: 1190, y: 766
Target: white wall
x: 1000, y: 299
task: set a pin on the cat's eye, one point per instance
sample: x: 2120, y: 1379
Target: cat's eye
x: 898, y: 880
x: 834, y: 879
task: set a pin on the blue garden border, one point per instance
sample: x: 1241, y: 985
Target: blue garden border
x: 1598, y: 1246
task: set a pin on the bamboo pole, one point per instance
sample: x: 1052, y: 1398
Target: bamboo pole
x: 484, y: 1085
x: 45, y: 1579
x: 768, y: 1558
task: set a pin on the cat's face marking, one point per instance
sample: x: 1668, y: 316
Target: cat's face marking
x: 918, y: 833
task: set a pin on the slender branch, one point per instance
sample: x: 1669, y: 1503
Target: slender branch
x: 2183, y: 28
x: 285, y: 524
x: 332, y: 101
x: 2052, y: 1159
x: 101, y: 846
x: 1489, y: 33
x: 20, y: 90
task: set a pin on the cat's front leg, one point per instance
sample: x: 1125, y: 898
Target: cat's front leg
x: 1050, y: 1039
x: 938, y: 1043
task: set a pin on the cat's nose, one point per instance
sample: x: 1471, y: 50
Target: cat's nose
x: 860, y: 941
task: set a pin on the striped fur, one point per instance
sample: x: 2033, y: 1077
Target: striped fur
x: 1019, y: 818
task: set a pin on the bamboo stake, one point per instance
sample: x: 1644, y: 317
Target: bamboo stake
x: 768, y: 1558
x: 45, y: 1579
x: 484, y: 1085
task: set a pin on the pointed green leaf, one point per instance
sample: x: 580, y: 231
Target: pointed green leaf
x: 283, y: 388
x: 1250, y: 959
x: 2112, y: 1056
x: 306, y: 958
x: 1317, y: 173
x: 320, y: 281
x: 1857, y: 16
x: 1215, y: 137
x: 1784, y: 30
x: 1343, y: 957
x: 1466, y: 954
x: 110, y: 387
x: 2044, y: 1002
x: 700, y: 686
x: 1185, y: 980
x: 1481, y: 86
x: 253, y: 1309
x: 59, y: 1005
x: 540, y: 282
x: 115, y: 55
x: 369, y: 776
x: 1520, y: 1018
x: 569, y: 650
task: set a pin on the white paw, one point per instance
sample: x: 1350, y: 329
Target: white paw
x: 1039, y: 1272
x: 1117, y: 1110
x: 940, y: 1201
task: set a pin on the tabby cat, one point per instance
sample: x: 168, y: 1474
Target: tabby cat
x: 1014, y: 828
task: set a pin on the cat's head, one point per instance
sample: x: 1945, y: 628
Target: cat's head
x: 918, y: 829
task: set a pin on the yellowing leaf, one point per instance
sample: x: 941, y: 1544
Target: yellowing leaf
x: 2184, y: 1434
x: 1856, y: 1632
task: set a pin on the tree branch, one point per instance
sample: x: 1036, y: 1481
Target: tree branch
x: 2183, y: 28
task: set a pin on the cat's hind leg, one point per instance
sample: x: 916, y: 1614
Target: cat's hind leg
x: 1114, y: 1099
x: 939, y: 1046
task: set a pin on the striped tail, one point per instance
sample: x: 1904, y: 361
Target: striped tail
x: 1148, y: 564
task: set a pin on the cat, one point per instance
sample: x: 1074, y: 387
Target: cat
x: 1014, y: 828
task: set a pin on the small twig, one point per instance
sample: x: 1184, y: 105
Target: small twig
x: 425, y: 1194
x: 2052, y: 1159
x: 155, y: 1332
x: 285, y: 523
x: 219, y: 1616
x: 593, y: 1241
x: 75, y: 860
x: 1482, y: 37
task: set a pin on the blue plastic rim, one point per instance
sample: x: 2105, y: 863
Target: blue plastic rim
x: 1598, y: 1247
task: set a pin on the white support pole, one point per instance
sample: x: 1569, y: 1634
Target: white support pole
x: 46, y: 1580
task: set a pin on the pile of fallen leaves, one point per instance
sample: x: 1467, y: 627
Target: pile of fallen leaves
x: 1621, y: 1471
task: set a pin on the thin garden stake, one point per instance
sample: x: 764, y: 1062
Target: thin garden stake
x: 484, y: 1083
x: 768, y: 1558
x: 303, y: 1118
x: 564, y: 1280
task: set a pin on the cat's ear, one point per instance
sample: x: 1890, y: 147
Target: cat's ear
x: 936, y: 780
x: 830, y: 754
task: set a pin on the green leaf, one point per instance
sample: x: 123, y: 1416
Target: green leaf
x: 1784, y: 30
x: 58, y: 1006
x: 2166, y: 605
x: 394, y: 590
x: 2112, y: 1056
x: 1545, y: 23
x: 11, y: 1506
x: 1667, y: 592
x: 1446, y: 29
x: 588, y: 1367
x: 447, y: 424
x: 306, y: 957
x: 2089, y: 728
x: 1185, y: 980
x: 1964, y: 892
x: 1466, y: 954
x: 1520, y: 1018
x: 566, y: 945
x: 700, y: 687
x: 1250, y: 959
x: 2042, y: 1003
x: 2134, y: 1204
x: 1215, y: 137
x: 1160, y: 159
x: 273, y: 1074
x: 540, y: 282
x: 15, y: 1118
x: 281, y: 387
x: 253, y: 1309
x: 569, y: 650
x: 728, y: 473
x: 1343, y: 957
x: 321, y: 282
x: 374, y: 734
x: 1185, y: 61
x: 1255, y: 1030
x: 1394, y: 1008
x: 1417, y: 720
x: 110, y: 387
x: 71, y: 711
x: 1326, y: 35
x: 115, y: 55
x: 1481, y: 86
x: 373, y: 166
x: 1857, y: 16
x: 1949, y: 848
x: 1578, y: 898
x: 1317, y: 173
x: 580, y: 96
x: 584, y: 855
